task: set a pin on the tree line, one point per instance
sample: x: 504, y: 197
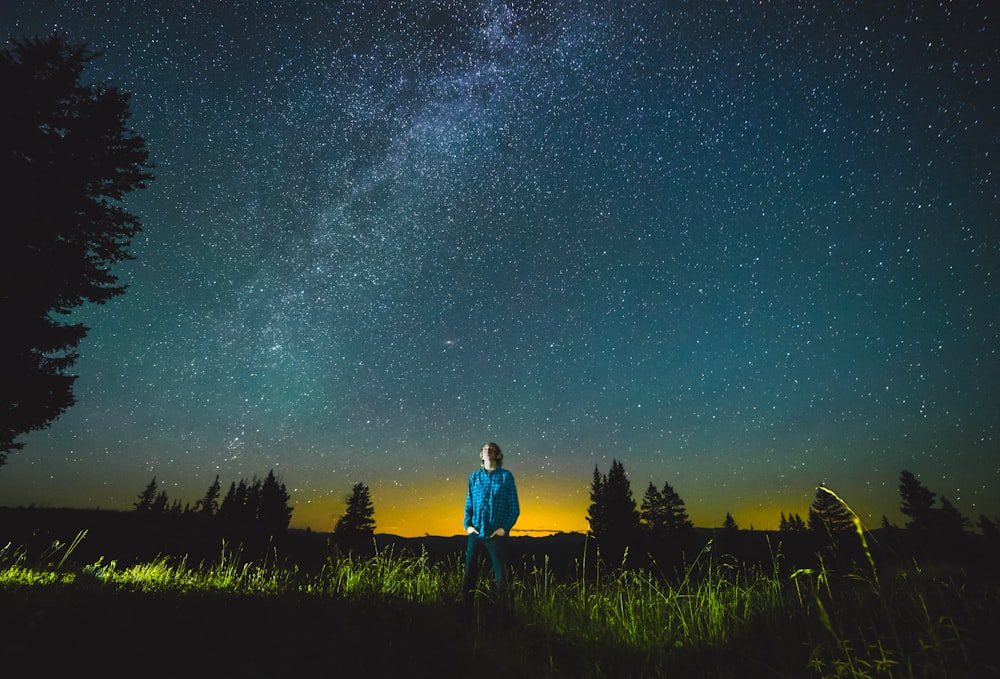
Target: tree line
x: 262, y: 503
x: 659, y: 526
x: 258, y: 503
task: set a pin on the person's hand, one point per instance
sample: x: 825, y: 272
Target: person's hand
x: 499, y: 532
x: 471, y: 529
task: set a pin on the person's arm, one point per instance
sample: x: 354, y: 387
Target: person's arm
x: 469, y: 528
x: 510, y: 505
x: 515, y: 507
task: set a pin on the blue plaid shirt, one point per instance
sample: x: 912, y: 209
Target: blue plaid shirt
x: 491, y: 502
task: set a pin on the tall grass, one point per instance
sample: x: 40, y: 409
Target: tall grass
x: 720, y: 618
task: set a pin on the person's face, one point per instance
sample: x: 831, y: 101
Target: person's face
x: 489, y: 456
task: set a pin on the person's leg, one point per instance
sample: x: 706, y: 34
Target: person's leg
x: 469, y: 577
x: 497, y: 549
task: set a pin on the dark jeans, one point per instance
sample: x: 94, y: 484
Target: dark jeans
x: 496, y: 548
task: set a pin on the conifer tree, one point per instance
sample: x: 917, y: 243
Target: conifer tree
x: 793, y: 524
x: 232, y: 506
x: 274, y: 513
x: 613, y: 516
x: 952, y: 521
x: 160, y: 503
x: 653, y: 512
x: 146, y: 498
x: 358, y: 521
x: 597, y: 512
x: 917, y: 502
x: 67, y: 161
x: 209, y: 505
x: 828, y: 518
x: 662, y: 513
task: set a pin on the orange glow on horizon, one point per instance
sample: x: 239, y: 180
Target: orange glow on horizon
x: 438, y: 510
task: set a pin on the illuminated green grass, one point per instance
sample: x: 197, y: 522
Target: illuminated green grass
x: 721, y: 619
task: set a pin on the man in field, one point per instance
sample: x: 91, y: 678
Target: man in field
x: 491, y: 509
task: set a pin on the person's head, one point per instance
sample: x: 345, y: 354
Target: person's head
x: 493, y: 452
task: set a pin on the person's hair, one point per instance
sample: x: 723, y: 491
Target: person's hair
x: 494, y: 447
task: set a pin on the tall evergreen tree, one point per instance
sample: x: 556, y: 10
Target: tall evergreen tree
x: 653, y: 512
x: 358, y: 521
x: 828, y: 518
x: 597, y: 512
x: 989, y: 529
x: 677, y: 517
x: 160, y: 503
x: 209, y: 505
x: 662, y: 513
x: 67, y: 160
x: 729, y: 524
x: 231, y: 508
x: 917, y: 502
x: 146, y: 498
x: 952, y: 521
x: 274, y: 513
x: 614, y: 518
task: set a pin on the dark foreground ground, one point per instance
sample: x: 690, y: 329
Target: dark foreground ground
x: 89, y: 629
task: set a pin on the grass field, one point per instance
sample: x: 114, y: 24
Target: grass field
x: 397, y: 614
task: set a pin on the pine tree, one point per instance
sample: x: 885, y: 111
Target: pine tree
x: 662, y: 513
x: 677, y: 517
x: 274, y: 513
x: 917, y: 502
x: 989, y: 529
x: 653, y: 512
x: 146, y: 498
x: 358, y: 521
x: 793, y: 524
x: 249, y: 493
x: 597, y: 512
x: 231, y: 506
x: 952, y: 521
x: 729, y: 524
x: 160, y: 503
x: 828, y: 517
x: 67, y: 162
x: 614, y: 519
x: 209, y: 505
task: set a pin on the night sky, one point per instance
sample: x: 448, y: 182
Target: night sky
x: 744, y: 248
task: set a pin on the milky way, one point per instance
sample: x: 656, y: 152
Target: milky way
x: 744, y: 249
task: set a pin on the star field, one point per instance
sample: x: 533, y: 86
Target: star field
x: 743, y: 248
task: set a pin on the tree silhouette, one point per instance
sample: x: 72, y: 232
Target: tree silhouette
x: 941, y: 529
x: 274, y: 513
x: 793, y: 524
x: 989, y: 529
x: 160, y: 503
x: 729, y: 524
x: 66, y: 162
x: 234, y: 506
x: 662, y: 513
x: 209, y: 505
x: 597, y: 512
x: 146, y: 498
x: 952, y: 520
x: 358, y: 522
x: 613, y: 517
x: 664, y: 524
x: 917, y: 502
x: 828, y: 516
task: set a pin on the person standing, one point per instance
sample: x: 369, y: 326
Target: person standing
x: 491, y: 510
